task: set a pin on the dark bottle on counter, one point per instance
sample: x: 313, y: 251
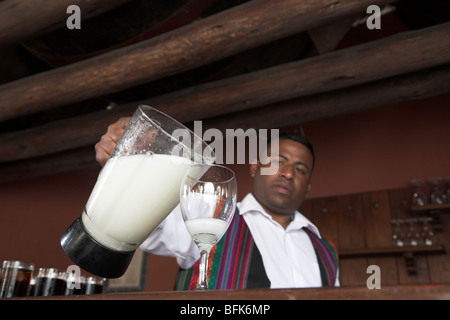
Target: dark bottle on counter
x: 46, y: 282
x: 75, y: 284
x: 61, y: 284
x: 15, y: 278
x: 31, y: 287
x: 94, y: 285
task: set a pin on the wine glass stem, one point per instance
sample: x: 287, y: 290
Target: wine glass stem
x: 203, y: 271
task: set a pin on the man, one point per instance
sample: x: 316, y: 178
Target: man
x: 269, y: 243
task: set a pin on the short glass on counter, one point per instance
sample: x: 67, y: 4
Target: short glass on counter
x: 15, y: 278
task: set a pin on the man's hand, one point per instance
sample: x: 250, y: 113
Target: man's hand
x: 108, y: 141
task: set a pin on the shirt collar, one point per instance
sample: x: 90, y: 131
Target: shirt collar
x: 250, y: 204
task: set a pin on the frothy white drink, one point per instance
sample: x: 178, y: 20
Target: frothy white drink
x: 132, y: 196
x: 206, y: 232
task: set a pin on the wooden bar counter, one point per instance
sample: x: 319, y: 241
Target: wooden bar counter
x: 402, y: 292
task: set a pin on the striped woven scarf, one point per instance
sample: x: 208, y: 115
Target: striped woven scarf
x: 230, y: 260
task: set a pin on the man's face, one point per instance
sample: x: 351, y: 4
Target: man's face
x: 284, y: 191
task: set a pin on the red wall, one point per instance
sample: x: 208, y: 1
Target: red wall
x: 34, y: 214
x: 381, y: 148
x: 376, y: 149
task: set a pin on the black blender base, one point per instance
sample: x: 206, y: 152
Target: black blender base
x: 90, y: 255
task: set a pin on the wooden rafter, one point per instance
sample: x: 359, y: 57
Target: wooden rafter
x: 388, y: 91
x: 365, y: 63
x: 23, y: 19
x: 210, y: 39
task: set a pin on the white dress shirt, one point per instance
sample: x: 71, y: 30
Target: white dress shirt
x: 288, y: 254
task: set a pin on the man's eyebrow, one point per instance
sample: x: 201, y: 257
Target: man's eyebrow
x: 298, y: 162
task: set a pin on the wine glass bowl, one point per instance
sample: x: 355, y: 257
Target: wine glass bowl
x: 208, y: 201
x: 419, y: 197
x: 437, y: 195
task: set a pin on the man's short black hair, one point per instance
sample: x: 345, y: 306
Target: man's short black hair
x: 298, y: 138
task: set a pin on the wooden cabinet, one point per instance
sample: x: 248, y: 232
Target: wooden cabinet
x: 360, y: 226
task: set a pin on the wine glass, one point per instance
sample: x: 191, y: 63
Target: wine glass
x: 419, y: 197
x: 398, y: 236
x: 437, y: 196
x: 412, y: 236
x: 208, y: 202
x: 427, y: 233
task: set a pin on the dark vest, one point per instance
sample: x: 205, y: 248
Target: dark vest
x: 236, y: 263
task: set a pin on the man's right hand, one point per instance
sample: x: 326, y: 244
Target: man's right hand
x: 108, y: 141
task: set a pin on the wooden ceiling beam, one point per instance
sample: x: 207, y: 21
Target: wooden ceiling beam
x: 408, y: 87
x: 412, y: 86
x: 396, y: 55
x: 216, y: 37
x: 21, y: 20
x: 60, y: 162
x: 402, y: 53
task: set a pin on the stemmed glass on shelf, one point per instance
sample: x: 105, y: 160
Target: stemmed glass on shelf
x: 419, y: 197
x: 437, y: 195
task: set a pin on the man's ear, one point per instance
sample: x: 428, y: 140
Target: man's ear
x: 253, y: 169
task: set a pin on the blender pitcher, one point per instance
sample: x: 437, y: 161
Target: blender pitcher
x: 135, y: 191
